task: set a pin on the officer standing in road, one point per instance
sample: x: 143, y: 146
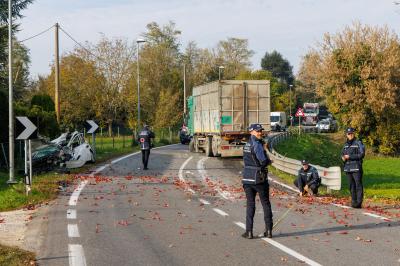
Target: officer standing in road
x: 144, y: 139
x: 308, y: 180
x: 352, y: 155
x: 255, y: 180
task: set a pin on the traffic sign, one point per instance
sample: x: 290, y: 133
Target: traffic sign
x: 300, y: 112
x: 93, y: 125
x: 28, y: 128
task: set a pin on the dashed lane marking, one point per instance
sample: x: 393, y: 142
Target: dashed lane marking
x: 204, y: 201
x: 73, y: 230
x: 284, y: 248
x: 71, y: 214
x: 73, y: 200
x: 376, y: 216
x: 220, y: 212
x: 203, y: 173
x: 76, y: 255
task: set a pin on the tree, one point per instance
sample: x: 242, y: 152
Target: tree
x: 307, y: 77
x: 278, y: 66
x: 358, y: 77
x: 234, y: 55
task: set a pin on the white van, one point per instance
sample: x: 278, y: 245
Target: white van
x: 278, y: 121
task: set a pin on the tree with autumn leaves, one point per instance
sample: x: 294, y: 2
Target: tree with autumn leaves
x: 356, y: 72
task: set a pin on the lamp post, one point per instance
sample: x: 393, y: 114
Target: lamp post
x: 10, y: 96
x: 138, y: 41
x: 220, y: 69
x: 290, y: 105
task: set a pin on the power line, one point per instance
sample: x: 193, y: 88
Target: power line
x: 36, y: 35
x: 78, y: 43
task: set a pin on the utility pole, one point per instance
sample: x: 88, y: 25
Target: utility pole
x: 10, y: 97
x: 57, y: 75
x: 138, y: 41
x: 290, y: 105
x: 184, y: 91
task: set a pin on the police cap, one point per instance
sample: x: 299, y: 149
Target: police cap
x: 256, y: 127
x: 304, y: 161
x: 350, y: 130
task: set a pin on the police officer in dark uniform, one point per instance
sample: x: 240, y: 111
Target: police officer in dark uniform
x: 144, y: 139
x: 308, y: 180
x: 255, y: 180
x: 352, y: 155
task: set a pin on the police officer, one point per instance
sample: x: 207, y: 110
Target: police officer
x: 144, y: 139
x: 308, y: 180
x: 352, y: 155
x: 255, y: 180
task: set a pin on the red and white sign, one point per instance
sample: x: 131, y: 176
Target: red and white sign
x: 299, y: 112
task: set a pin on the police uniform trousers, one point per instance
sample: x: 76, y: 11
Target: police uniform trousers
x: 313, y: 186
x: 263, y: 192
x: 145, y: 157
x: 356, y: 187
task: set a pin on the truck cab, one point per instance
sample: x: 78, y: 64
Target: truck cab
x: 278, y: 121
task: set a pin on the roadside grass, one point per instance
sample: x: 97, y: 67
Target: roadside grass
x: 381, y: 178
x: 13, y: 256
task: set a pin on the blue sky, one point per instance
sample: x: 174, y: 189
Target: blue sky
x: 289, y: 26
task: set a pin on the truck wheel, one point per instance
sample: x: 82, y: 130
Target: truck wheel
x: 209, y: 151
x: 191, y: 145
x: 215, y: 147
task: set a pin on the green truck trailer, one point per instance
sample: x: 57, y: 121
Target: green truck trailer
x: 221, y: 111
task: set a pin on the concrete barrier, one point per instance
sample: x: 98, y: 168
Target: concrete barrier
x: 330, y: 177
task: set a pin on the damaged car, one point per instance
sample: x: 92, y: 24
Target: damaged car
x: 70, y: 150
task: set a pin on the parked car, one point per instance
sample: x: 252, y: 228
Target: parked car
x: 326, y: 125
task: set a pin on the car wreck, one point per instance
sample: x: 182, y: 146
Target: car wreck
x: 69, y: 150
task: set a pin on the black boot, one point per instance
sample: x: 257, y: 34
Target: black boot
x: 268, y: 233
x: 248, y: 235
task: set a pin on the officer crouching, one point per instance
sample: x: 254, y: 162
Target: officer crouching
x: 255, y: 180
x: 352, y: 155
x: 308, y: 180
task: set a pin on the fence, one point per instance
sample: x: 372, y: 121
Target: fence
x: 331, y: 176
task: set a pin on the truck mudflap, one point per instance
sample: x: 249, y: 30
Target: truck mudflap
x: 231, y: 150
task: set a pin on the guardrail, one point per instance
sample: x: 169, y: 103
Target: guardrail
x: 330, y: 177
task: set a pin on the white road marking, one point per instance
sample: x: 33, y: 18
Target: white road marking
x: 283, y: 185
x: 283, y: 248
x: 291, y: 252
x: 241, y: 225
x: 73, y: 230
x: 76, y: 255
x: 71, y: 214
x: 180, y: 174
x: 220, y: 212
x: 341, y: 206
x: 204, y: 201
x: 376, y: 216
x: 73, y: 200
x: 334, y: 204
x: 203, y: 173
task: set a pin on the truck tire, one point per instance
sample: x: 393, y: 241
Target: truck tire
x: 215, y: 147
x: 208, y: 150
x: 191, y: 145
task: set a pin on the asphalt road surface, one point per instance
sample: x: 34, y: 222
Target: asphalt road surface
x: 190, y: 210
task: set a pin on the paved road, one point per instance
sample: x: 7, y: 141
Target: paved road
x: 189, y: 210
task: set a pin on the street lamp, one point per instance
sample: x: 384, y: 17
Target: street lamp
x: 290, y: 104
x: 220, y: 69
x: 10, y: 97
x: 138, y: 41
